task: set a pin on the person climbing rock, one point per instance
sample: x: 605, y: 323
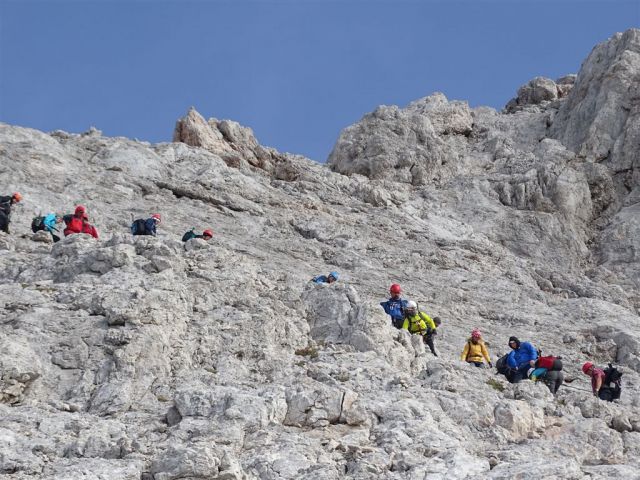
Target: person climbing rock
x: 553, y: 379
x: 47, y: 222
x: 206, y: 235
x: 606, y: 383
x: 332, y: 277
x: 523, y: 356
x: 394, y: 307
x: 417, y: 322
x: 6, y: 202
x: 79, y: 223
x: 475, y: 351
x: 147, y: 226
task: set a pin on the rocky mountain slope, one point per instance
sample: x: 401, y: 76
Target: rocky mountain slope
x: 150, y: 359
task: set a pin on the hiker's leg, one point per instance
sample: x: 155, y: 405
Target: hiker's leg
x: 428, y: 339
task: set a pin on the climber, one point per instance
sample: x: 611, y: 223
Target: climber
x: 79, y: 223
x: 332, y: 277
x: 394, y: 307
x: 475, y: 350
x: 417, y: 322
x: 6, y: 202
x: 206, y: 235
x: 606, y: 383
x: 523, y: 356
x: 146, y: 227
x: 553, y: 379
x: 47, y: 222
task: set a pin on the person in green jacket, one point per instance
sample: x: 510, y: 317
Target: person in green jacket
x: 417, y: 322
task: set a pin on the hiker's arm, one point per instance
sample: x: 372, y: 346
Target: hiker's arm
x: 598, y: 385
x: 465, y: 352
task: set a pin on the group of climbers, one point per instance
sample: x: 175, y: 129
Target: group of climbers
x: 78, y: 222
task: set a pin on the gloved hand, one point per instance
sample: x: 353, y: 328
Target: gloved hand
x: 490, y: 365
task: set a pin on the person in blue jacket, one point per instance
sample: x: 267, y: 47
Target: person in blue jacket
x: 50, y: 221
x: 395, y: 306
x: 147, y: 226
x: 332, y: 277
x: 522, y: 357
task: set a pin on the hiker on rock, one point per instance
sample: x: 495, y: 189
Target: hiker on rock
x: 417, y: 322
x: 522, y: 357
x: 6, y: 202
x: 475, y: 351
x: 206, y: 235
x: 605, y: 383
x: 47, y: 222
x: 394, y: 307
x: 79, y: 223
x: 147, y: 226
x: 332, y: 277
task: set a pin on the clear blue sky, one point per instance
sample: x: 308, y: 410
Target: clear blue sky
x: 297, y: 71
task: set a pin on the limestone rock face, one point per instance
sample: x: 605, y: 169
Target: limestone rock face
x: 148, y: 358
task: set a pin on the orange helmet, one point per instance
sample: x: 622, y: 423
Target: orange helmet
x: 17, y: 197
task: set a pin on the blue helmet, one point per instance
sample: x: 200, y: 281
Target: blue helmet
x: 335, y: 275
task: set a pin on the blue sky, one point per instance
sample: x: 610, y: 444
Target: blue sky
x: 296, y: 72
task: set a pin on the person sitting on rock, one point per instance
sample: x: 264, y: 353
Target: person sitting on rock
x: 475, y: 351
x: 553, y: 379
x: 6, y: 202
x: 417, y: 322
x: 394, y: 307
x: 332, y: 277
x: 206, y: 235
x: 47, y: 222
x: 147, y: 226
x: 523, y: 356
x: 605, y: 383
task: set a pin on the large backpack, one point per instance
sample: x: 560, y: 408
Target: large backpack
x: 549, y: 362
x: 138, y: 227
x: 501, y: 365
x: 37, y: 224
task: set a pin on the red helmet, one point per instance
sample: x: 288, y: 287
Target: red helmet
x: 586, y: 367
x: 475, y: 333
x: 156, y: 217
x: 207, y: 233
x: 80, y: 210
x: 395, y: 289
x: 16, y: 197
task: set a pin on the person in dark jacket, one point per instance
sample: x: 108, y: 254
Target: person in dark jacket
x: 395, y: 306
x: 146, y: 227
x: 522, y: 357
x: 206, y: 235
x: 6, y: 202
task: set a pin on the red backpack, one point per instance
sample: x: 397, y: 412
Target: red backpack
x: 74, y: 224
x: 549, y: 362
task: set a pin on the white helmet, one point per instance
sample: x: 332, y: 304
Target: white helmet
x: 412, y: 305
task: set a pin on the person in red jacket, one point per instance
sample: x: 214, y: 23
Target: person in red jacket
x: 79, y: 223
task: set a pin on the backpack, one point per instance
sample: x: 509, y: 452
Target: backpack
x: 190, y: 234
x: 612, y: 375
x: 501, y: 365
x: 550, y: 363
x: 138, y: 227
x: 37, y: 224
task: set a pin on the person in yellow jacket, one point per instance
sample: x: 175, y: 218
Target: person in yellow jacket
x: 420, y: 323
x: 475, y: 351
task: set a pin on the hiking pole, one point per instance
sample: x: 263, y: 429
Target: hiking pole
x: 576, y: 388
